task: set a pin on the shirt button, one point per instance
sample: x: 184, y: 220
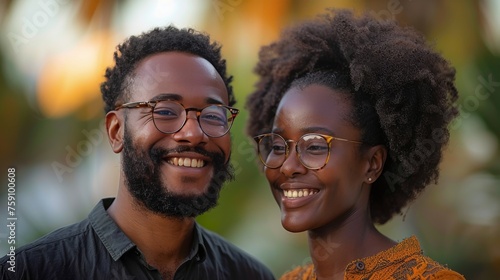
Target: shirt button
x: 360, y: 265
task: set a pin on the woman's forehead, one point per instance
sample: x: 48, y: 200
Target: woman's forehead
x: 312, y: 106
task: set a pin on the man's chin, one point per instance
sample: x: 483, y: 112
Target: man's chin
x: 179, y: 205
x: 184, y: 181
x: 186, y: 187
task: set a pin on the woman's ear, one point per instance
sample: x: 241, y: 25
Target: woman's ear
x: 376, y: 157
x: 114, y: 128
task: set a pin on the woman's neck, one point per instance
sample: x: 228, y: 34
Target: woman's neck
x: 333, y: 247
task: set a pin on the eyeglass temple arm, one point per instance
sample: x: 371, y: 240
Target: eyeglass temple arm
x: 136, y: 104
x: 345, y: 140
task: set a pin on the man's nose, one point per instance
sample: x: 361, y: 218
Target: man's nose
x: 191, y: 131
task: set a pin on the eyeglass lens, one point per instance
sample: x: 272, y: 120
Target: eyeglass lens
x: 170, y: 117
x: 312, y: 150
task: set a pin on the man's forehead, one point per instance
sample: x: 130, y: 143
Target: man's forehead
x: 177, y: 72
x: 156, y: 63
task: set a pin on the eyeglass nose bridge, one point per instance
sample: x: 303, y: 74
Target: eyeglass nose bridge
x: 198, y: 114
x: 196, y: 110
x: 287, y: 151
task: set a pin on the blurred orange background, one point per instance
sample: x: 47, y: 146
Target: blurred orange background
x: 53, y: 54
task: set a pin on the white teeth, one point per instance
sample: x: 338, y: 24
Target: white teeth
x: 299, y: 193
x: 188, y: 162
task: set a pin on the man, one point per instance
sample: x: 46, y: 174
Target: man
x: 168, y: 102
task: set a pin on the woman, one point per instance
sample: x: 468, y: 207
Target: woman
x: 350, y: 116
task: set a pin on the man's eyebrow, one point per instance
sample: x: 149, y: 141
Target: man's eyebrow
x: 211, y: 100
x: 167, y: 96
x: 178, y: 97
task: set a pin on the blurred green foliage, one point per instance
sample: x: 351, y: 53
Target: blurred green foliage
x: 457, y: 221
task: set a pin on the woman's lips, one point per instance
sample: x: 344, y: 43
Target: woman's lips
x: 297, y: 197
x: 296, y: 193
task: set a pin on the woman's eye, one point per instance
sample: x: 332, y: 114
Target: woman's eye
x: 278, y: 149
x: 317, y: 149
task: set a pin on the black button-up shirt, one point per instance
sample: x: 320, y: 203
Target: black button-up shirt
x: 96, y: 248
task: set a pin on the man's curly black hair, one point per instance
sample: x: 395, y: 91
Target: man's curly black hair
x: 402, y: 93
x: 167, y: 39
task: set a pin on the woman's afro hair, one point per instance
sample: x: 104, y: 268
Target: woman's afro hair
x: 168, y: 39
x: 402, y: 92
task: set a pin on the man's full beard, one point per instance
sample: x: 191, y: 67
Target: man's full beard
x: 143, y: 176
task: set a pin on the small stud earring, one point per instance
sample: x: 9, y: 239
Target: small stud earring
x: 370, y: 179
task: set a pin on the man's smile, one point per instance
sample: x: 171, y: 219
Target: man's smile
x: 186, y: 162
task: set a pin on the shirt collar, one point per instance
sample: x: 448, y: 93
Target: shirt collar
x: 113, y: 238
x: 198, y: 250
x: 117, y: 243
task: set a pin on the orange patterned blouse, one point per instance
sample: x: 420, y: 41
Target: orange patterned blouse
x: 403, y: 261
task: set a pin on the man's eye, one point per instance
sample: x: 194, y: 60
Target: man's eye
x: 214, y: 119
x: 165, y: 114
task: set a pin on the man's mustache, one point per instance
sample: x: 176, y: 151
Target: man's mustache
x: 158, y: 154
